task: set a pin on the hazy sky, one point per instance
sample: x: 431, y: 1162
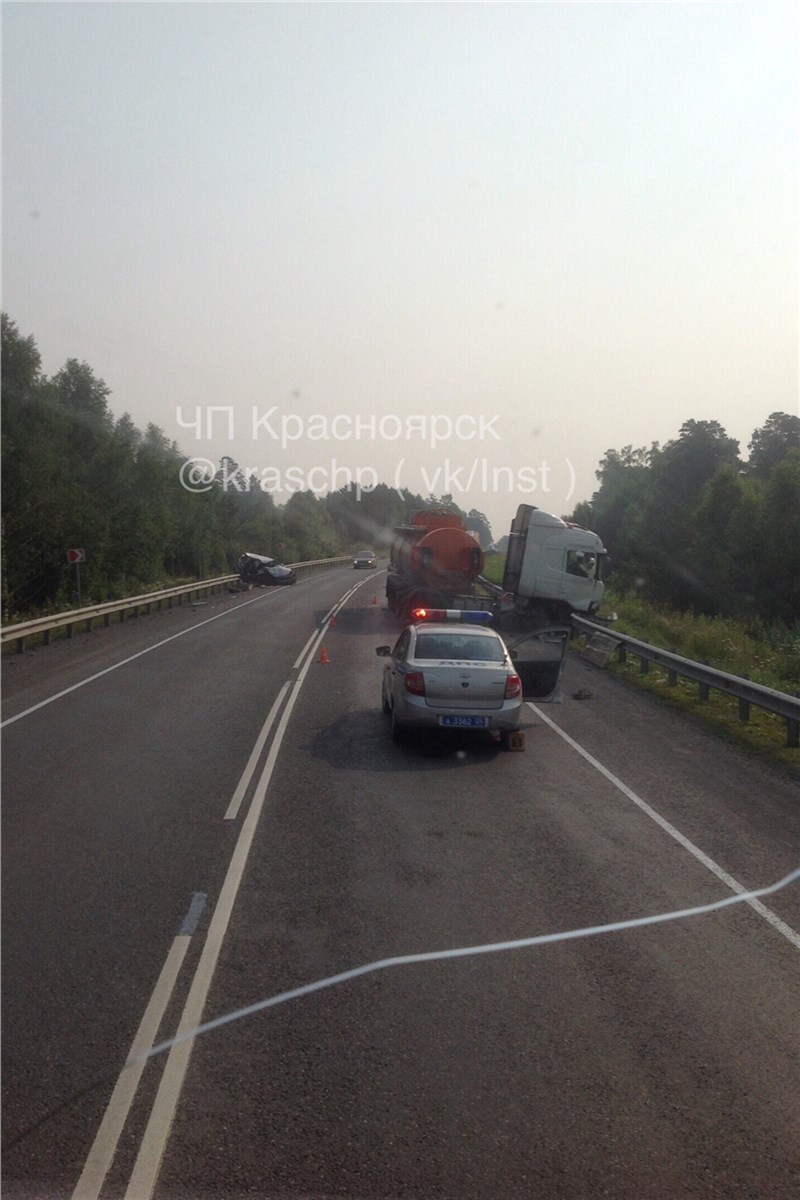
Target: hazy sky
x: 577, y: 220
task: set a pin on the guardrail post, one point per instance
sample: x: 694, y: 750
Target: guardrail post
x: 672, y: 676
x: 703, y: 688
x: 47, y: 634
x: 793, y: 730
x: 89, y: 624
x: 21, y: 645
x: 644, y: 663
x: 744, y: 705
x: 107, y: 620
x: 69, y: 629
x: 621, y: 655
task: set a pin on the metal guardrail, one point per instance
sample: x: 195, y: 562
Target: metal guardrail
x: 739, y: 686
x: 134, y: 605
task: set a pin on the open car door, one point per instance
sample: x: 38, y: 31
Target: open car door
x: 539, y: 657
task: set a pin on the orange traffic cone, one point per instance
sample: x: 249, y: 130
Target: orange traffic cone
x: 374, y: 599
x: 323, y: 658
x: 332, y: 622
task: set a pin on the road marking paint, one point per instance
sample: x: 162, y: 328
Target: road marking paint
x: 252, y: 762
x: 302, y: 653
x: 151, y: 1152
x: 238, y: 795
x: 326, y: 619
x: 542, y: 939
x: 107, y: 1137
x: 194, y: 914
x: 132, y: 658
x: 767, y: 914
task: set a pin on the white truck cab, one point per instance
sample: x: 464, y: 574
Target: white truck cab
x: 554, y: 563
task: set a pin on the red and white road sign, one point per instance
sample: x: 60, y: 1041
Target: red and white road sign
x: 75, y: 556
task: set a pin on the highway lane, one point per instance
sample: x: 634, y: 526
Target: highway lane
x: 659, y: 1062
x: 113, y: 819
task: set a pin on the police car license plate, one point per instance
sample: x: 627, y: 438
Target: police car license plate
x: 464, y: 722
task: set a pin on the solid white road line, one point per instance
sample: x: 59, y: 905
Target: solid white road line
x: 108, y: 1135
x: 325, y: 623
x: 151, y: 1151
x: 247, y: 774
x: 130, y: 659
x: 301, y: 656
x: 542, y: 939
x: 767, y: 914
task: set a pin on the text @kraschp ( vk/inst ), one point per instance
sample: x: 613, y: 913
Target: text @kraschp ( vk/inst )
x: 478, y: 476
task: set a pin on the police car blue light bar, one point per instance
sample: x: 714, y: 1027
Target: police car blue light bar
x: 472, y: 616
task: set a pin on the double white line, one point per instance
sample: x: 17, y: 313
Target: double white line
x: 151, y: 1151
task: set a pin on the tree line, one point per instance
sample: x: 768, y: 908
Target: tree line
x: 74, y: 476
x: 691, y: 525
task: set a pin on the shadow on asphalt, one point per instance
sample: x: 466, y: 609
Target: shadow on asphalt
x: 367, y: 619
x: 361, y: 741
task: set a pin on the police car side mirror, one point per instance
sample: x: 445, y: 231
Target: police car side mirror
x: 383, y: 651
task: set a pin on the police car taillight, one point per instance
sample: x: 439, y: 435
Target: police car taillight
x: 472, y: 616
x: 513, y: 687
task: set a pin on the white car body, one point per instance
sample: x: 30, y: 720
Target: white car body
x: 450, y: 676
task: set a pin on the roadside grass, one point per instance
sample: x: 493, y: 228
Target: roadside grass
x: 35, y: 640
x: 763, y: 734
x: 493, y: 567
x: 767, y: 656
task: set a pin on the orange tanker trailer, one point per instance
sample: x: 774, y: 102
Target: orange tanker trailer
x: 434, y: 561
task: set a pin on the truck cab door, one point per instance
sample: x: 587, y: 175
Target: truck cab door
x: 539, y: 657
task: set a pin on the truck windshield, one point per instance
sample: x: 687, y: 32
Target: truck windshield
x: 582, y: 563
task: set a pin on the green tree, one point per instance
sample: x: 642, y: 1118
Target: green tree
x: 724, y: 554
x: 369, y: 519
x: 29, y: 458
x: 477, y: 520
x: 678, y: 474
x: 616, y: 511
x: 772, y: 443
x: 308, y: 527
x: 21, y: 362
x: 779, y: 532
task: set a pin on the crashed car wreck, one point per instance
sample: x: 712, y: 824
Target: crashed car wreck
x: 257, y: 570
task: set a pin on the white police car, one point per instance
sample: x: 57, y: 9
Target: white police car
x: 448, y: 670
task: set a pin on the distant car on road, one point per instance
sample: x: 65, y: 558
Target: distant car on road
x: 365, y: 558
x: 450, y: 674
x: 258, y: 570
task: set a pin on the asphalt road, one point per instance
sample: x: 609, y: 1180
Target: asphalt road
x: 654, y: 1061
